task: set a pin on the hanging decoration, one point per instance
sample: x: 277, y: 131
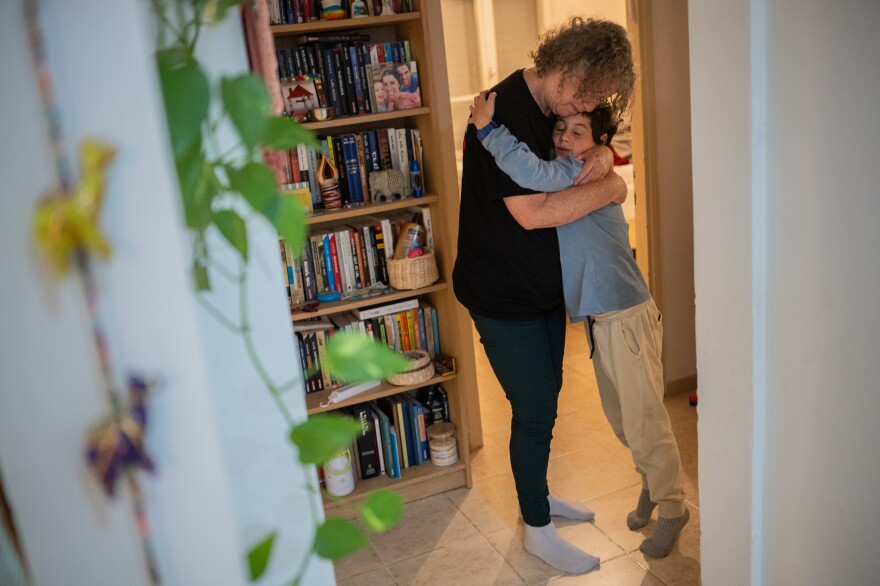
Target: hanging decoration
x: 66, y: 228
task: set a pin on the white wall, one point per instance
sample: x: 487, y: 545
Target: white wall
x: 100, y: 54
x: 786, y: 201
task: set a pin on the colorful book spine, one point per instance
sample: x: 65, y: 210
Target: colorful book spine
x: 352, y: 173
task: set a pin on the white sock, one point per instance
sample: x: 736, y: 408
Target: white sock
x: 569, y: 509
x: 545, y: 543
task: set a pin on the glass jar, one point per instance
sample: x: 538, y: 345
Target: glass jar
x: 441, y: 440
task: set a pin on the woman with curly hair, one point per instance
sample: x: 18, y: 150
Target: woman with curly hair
x: 508, y: 271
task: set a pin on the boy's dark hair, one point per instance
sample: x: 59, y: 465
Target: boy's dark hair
x: 602, y: 122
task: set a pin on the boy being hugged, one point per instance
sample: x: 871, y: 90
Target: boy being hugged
x: 604, y: 288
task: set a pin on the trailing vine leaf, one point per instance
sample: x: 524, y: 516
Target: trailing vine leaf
x: 337, y: 538
x: 246, y: 101
x: 198, y: 186
x: 186, y: 93
x: 282, y: 134
x: 357, y: 358
x: 288, y: 217
x: 258, y: 556
x: 255, y: 183
x: 321, y: 436
x: 382, y: 509
x: 233, y: 229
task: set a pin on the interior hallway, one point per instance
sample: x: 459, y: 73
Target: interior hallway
x: 475, y: 536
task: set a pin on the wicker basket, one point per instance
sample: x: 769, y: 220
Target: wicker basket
x: 413, y: 273
x: 420, y: 369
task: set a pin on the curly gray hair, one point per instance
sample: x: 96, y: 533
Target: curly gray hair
x: 597, y: 54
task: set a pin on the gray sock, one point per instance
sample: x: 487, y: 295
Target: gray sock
x: 665, y: 535
x: 640, y: 517
x: 545, y: 543
x: 569, y: 509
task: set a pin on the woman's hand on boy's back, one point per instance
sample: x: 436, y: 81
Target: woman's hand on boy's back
x: 598, y: 161
x: 482, y: 109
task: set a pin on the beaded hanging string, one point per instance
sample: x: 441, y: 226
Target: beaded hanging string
x: 118, y: 444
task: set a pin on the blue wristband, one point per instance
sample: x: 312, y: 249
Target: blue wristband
x: 483, y: 132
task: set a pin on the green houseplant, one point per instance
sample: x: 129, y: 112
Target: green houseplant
x: 219, y: 189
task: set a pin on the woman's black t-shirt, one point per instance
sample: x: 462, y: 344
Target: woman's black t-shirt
x: 504, y: 271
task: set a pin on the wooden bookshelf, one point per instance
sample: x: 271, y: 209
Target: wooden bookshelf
x: 328, y: 216
x: 424, y: 31
x: 331, y: 307
x: 316, y: 402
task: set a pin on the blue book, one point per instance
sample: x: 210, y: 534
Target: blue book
x: 372, y: 152
x: 392, y: 432
x: 436, y: 331
x: 423, y: 334
x: 357, y: 81
x: 410, y: 433
x: 328, y: 262
x: 331, y: 83
x: 352, y: 169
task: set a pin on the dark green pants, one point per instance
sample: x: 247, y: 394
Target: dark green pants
x: 527, y: 359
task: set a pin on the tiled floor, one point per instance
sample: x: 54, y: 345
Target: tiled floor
x: 474, y: 536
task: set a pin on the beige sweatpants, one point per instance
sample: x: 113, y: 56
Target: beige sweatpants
x: 626, y: 358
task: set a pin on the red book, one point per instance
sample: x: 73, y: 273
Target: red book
x: 334, y: 258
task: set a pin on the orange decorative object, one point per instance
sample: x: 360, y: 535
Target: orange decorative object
x: 328, y: 180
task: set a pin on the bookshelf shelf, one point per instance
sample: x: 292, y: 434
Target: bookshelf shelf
x: 324, y: 26
x: 326, y: 217
x: 333, y: 307
x: 366, y: 119
x: 424, y: 32
x: 314, y: 400
x: 416, y: 482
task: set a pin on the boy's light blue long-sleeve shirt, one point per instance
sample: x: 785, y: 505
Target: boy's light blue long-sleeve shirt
x: 599, y: 273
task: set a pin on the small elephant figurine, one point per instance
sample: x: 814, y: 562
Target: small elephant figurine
x: 387, y: 185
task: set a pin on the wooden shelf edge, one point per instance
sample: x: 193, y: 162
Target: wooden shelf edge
x: 417, y: 482
x: 367, y: 209
x: 386, y: 389
x: 320, y: 26
x: 364, y: 119
x: 340, y: 306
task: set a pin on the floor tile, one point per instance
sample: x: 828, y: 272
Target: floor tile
x: 472, y: 561
x: 493, y: 458
x: 363, y: 561
x: 377, y: 577
x: 611, y: 511
x: 622, y: 571
x: 589, y: 473
x: 490, y: 505
x: 427, y: 524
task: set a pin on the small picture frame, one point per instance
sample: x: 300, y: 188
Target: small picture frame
x: 395, y: 86
x: 300, y: 97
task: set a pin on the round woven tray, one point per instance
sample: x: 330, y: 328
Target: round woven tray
x: 420, y: 369
x: 413, y: 273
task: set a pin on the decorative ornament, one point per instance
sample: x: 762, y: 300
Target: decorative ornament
x: 117, y: 443
x: 332, y: 10
x: 328, y: 180
x: 67, y: 220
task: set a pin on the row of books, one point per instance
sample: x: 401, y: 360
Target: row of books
x: 348, y: 258
x: 355, y: 78
x: 302, y: 11
x: 393, y: 431
x: 354, y: 155
x: 406, y: 325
